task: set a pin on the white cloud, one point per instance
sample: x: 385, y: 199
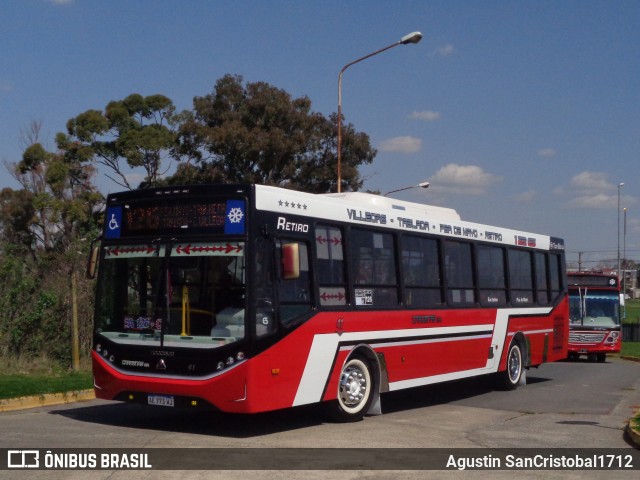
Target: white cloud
x: 592, y: 181
x: 463, y: 179
x: 546, y: 152
x: 599, y: 200
x: 593, y: 190
x: 444, y: 50
x: 402, y: 145
x: 427, y: 115
x: 526, y: 197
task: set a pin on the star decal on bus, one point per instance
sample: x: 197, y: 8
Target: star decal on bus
x: 294, y: 205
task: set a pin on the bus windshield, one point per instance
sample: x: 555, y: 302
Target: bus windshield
x: 172, y: 294
x: 594, y: 308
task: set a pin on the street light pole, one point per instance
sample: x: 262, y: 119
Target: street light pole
x: 414, y: 37
x: 620, y: 185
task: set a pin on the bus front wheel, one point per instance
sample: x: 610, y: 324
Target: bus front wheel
x: 355, y: 391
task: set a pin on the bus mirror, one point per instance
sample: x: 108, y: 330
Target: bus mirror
x: 92, y: 264
x: 290, y: 261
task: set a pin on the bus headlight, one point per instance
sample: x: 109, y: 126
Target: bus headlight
x: 612, y: 337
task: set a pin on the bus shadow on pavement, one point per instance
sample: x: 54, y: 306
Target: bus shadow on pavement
x: 450, y: 392
x: 208, y: 422
x: 195, y: 421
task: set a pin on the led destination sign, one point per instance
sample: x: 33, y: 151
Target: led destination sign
x: 168, y: 218
x: 173, y: 217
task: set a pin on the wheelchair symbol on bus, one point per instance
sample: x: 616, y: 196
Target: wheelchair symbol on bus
x: 113, y: 223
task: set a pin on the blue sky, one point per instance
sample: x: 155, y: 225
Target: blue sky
x: 520, y: 114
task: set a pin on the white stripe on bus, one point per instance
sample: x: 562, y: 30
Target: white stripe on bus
x: 324, y: 347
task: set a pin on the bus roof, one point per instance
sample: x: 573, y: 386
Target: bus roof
x: 357, y: 208
x: 377, y: 210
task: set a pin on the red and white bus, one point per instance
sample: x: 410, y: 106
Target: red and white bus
x: 255, y: 298
x: 594, y: 312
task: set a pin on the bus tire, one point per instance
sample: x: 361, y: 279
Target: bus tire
x: 601, y: 357
x: 510, y: 378
x: 355, y: 391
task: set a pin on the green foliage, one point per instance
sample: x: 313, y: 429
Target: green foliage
x: 36, y: 308
x: 17, y: 214
x: 259, y: 134
x: 36, y: 319
x: 136, y: 130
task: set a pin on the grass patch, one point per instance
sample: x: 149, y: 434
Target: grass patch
x: 632, y: 309
x: 23, y: 376
x: 635, y: 421
x: 20, y: 385
x: 630, y: 349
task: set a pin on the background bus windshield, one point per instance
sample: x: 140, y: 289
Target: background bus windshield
x: 593, y: 308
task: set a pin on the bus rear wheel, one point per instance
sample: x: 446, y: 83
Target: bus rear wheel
x: 355, y: 391
x: 510, y: 378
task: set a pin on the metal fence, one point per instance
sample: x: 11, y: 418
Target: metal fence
x: 631, y: 332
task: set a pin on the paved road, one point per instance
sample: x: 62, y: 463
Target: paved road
x: 566, y: 404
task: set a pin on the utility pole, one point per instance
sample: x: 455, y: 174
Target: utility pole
x: 75, y: 340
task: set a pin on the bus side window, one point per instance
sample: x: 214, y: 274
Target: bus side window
x: 491, y: 275
x: 330, y: 266
x: 459, y: 270
x: 520, y: 277
x: 556, y: 269
x: 542, y: 284
x: 421, y: 271
x: 373, y: 266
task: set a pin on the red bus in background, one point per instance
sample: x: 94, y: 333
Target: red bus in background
x: 594, y: 312
x: 254, y: 298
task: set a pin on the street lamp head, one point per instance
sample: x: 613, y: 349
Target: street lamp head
x: 413, y: 37
x: 420, y: 185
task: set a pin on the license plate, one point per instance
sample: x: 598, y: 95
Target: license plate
x: 161, y: 400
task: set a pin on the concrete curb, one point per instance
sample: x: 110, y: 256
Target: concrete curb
x: 45, y: 400
x: 634, y: 435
